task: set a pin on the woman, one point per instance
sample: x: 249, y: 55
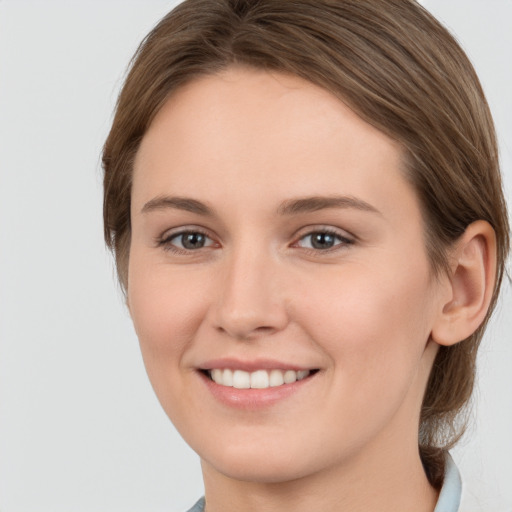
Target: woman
x: 305, y: 206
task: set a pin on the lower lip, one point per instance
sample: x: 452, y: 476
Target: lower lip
x: 253, y: 399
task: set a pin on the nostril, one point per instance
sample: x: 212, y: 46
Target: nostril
x: 241, y: 332
x: 264, y: 329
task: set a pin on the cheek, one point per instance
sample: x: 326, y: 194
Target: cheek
x: 166, y: 309
x: 374, y: 322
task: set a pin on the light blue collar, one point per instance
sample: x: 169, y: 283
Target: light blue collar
x: 449, y: 498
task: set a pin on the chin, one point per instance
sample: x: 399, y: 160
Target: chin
x: 268, y: 471
x: 262, y: 462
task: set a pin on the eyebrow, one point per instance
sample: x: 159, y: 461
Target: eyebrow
x: 315, y: 203
x: 178, y: 203
x: 289, y: 207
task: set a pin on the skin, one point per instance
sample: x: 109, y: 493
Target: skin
x: 244, y: 143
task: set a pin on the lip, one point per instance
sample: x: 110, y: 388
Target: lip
x: 251, y: 366
x: 253, y: 399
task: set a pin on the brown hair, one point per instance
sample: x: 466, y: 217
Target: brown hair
x: 397, y: 68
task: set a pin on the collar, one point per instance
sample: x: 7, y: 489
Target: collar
x: 449, y: 497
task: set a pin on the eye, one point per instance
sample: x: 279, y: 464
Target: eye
x: 186, y: 241
x: 323, y: 240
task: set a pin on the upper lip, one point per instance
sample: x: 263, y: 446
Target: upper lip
x: 252, y: 365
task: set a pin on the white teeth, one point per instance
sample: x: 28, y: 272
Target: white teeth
x: 260, y: 379
x: 217, y: 375
x: 227, y: 377
x: 241, y: 379
x: 276, y: 378
x: 290, y: 376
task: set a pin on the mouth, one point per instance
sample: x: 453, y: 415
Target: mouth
x: 258, y: 379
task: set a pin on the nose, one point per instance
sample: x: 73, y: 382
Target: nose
x: 251, y: 297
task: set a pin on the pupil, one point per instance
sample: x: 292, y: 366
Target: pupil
x: 193, y: 240
x: 322, y: 241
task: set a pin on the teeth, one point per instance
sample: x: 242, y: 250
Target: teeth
x: 290, y: 376
x: 227, y: 377
x: 276, y: 378
x: 217, y: 375
x: 241, y: 380
x: 260, y: 379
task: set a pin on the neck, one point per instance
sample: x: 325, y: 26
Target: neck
x: 396, y: 483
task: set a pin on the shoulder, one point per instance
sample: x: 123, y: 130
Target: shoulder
x: 198, y: 507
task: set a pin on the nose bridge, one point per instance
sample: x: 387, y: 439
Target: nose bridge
x: 251, y: 300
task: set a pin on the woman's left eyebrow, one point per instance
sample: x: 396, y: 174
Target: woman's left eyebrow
x: 315, y: 203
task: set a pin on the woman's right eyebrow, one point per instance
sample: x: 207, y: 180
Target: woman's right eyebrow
x: 178, y: 203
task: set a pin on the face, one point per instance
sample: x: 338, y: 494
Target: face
x: 278, y: 280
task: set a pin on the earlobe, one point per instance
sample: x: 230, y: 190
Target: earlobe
x: 471, y: 284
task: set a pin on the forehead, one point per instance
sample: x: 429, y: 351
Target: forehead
x: 256, y: 106
x: 267, y: 132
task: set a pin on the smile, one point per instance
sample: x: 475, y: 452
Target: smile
x: 259, y: 379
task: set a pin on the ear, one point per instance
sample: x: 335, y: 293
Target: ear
x: 470, y: 285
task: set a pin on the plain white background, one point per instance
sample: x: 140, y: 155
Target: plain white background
x: 80, y: 429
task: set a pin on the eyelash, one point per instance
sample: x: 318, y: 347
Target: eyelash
x: 166, y: 241
x: 343, y: 241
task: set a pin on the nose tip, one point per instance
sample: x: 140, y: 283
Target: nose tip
x: 251, y: 301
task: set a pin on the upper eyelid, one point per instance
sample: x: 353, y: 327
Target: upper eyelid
x: 309, y: 230
x: 173, y: 232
